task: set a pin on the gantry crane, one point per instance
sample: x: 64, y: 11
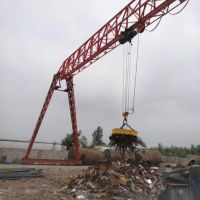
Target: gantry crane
x: 130, y: 21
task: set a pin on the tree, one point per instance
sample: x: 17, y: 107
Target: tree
x: 97, y: 137
x: 160, y: 147
x: 83, y: 141
x: 179, y: 151
x: 68, y: 141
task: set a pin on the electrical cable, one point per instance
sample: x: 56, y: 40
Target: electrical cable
x: 156, y: 24
x: 170, y: 14
x: 136, y: 70
x: 180, y: 9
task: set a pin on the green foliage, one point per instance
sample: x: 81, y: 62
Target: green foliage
x: 178, y: 151
x: 83, y: 141
x: 97, y: 137
x: 68, y: 141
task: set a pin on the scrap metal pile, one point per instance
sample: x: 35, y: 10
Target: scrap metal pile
x: 116, y: 181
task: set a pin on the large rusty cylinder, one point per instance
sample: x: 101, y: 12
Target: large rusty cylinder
x: 112, y: 155
x: 88, y: 156
x: 148, y: 156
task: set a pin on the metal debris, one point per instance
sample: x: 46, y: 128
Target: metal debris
x: 182, y: 183
x: 123, y: 142
x: 117, y: 181
x: 16, y: 173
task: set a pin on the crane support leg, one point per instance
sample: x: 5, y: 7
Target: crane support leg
x: 42, y: 113
x: 70, y: 90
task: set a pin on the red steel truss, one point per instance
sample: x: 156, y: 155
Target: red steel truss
x: 134, y: 17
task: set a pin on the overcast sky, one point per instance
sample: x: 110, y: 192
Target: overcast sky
x: 36, y: 36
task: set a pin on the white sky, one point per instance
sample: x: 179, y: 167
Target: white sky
x: 36, y: 36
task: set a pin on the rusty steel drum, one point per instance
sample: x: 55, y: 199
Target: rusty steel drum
x: 149, y: 155
x: 88, y: 156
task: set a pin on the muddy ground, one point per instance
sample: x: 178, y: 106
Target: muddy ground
x: 38, y: 188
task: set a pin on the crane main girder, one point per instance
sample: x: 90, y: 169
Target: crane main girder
x: 137, y: 15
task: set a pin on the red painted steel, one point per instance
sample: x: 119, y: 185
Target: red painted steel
x: 70, y: 90
x: 42, y: 113
x: 32, y: 161
x: 137, y: 15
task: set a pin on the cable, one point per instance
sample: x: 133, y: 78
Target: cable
x: 126, y: 76
x: 136, y: 70
x: 170, y: 14
x: 180, y: 9
x: 129, y: 76
x: 128, y: 73
x: 156, y: 24
x: 126, y: 89
x: 123, y: 88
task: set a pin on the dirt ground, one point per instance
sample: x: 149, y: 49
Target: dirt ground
x: 55, y: 177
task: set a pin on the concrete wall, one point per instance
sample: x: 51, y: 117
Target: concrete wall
x: 21, y: 145
x: 17, y: 154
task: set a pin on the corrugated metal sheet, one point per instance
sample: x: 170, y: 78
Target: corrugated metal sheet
x: 189, y: 191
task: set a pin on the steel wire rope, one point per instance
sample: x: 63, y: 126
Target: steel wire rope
x: 128, y: 75
x: 136, y: 71
x: 126, y: 63
x: 123, y: 79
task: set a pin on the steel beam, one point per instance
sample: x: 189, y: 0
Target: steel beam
x: 138, y: 14
x: 31, y: 161
x: 42, y: 114
x: 71, y: 97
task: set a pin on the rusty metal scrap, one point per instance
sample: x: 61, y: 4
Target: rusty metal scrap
x: 124, y: 143
x: 17, y: 173
x: 116, y: 181
x: 189, y: 161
